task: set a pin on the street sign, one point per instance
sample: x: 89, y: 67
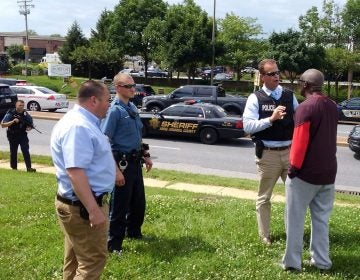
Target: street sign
x: 59, y: 70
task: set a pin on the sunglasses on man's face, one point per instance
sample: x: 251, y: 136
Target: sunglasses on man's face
x: 272, y: 73
x: 127, y: 86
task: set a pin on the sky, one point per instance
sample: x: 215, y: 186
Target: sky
x: 55, y: 17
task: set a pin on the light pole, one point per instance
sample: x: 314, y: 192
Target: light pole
x: 213, y: 48
x: 25, y: 10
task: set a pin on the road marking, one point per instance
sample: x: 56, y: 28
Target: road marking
x: 162, y: 147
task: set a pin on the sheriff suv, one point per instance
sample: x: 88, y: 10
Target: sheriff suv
x: 7, y: 99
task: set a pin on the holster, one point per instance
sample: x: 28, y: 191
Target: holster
x: 100, y: 200
x: 259, y: 148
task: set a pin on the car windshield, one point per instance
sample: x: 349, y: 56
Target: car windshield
x: 46, y: 90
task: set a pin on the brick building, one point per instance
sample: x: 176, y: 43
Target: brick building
x: 39, y: 45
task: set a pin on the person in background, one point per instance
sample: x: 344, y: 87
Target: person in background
x: 18, y: 123
x: 85, y: 172
x: 124, y: 129
x: 268, y: 117
x: 311, y: 175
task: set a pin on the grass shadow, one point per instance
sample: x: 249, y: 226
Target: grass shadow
x: 166, y: 249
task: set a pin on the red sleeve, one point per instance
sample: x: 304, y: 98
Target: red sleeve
x: 299, y: 144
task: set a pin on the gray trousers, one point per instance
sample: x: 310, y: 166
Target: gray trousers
x: 320, y: 199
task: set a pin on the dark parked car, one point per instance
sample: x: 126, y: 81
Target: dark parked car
x: 141, y: 91
x: 8, y: 81
x: 7, y: 99
x: 349, y: 110
x: 354, y: 140
x: 205, y: 121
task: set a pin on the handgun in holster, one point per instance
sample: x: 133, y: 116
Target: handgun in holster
x: 259, y: 148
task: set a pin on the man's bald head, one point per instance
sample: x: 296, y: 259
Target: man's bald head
x: 313, y: 78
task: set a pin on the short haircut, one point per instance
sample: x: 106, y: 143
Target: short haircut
x: 121, y: 77
x: 263, y: 62
x: 90, y: 88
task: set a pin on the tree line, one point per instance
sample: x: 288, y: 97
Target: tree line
x: 179, y: 38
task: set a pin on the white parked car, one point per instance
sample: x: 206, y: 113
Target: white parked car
x: 38, y: 98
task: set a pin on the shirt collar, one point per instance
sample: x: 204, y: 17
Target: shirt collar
x: 277, y: 90
x: 87, y: 114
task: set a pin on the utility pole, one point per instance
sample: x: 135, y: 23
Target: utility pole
x: 213, y: 48
x: 24, y: 9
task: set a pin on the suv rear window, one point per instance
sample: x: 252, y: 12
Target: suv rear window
x: 5, y: 90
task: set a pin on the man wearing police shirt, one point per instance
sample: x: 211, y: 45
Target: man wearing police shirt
x: 18, y: 123
x: 268, y: 117
x: 124, y: 129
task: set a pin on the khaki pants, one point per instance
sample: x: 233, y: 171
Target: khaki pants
x: 271, y: 166
x: 85, y: 251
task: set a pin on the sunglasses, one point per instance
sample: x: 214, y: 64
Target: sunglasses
x: 127, y: 86
x: 272, y: 73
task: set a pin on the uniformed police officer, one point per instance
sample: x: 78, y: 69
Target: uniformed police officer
x: 18, y: 122
x: 124, y: 129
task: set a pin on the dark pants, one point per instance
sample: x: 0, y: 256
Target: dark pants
x: 15, y: 141
x: 127, y: 207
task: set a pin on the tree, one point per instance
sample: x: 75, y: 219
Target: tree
x: 292, y: 53
x: 238, y: 36
x: 97, y: 55
x: 101, y: 33
x: 130, y: 19
x: 351, y: 15
x: 186, y: 37
x: 336, y: 63
x: 74, y: 39
x: 16, y: 52
x: 324, y: 29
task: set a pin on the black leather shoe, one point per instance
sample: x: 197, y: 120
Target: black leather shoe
x: 31, y: 170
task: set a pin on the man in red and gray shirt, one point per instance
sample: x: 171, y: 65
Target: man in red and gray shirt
x: 311, y: 175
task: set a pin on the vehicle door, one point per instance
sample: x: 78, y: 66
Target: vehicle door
x: 164, y: 121
x: 189, y: 122
x: 351, y: 109
x: 181, y: 94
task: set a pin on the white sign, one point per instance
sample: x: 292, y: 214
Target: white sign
x: 59, y: 70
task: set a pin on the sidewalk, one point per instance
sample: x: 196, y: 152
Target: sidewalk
x: 153, y: 183
x: 196, y: 188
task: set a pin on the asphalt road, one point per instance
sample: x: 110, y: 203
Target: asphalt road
x: 232, y: 158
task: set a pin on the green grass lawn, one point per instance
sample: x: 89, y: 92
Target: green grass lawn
x: 191, y: 236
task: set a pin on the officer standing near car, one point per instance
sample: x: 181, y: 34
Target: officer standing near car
x: 18, y: 123
x: 124, y: 129
x: 268, y: 117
